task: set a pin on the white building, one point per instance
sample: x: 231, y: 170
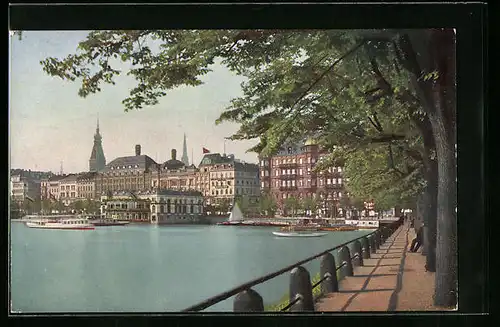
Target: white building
x: 155, y: 206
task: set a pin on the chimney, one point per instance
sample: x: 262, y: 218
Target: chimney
x: 174, y: 154
x: 138, y: 150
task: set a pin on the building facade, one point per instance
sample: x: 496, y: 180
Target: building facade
x: 68, y: 191
x: 131, y: 173
x: 85, y: 185
x: 173, y: 174
x: 290, y: 173
x: 155, y: 206
x: 97, y: 161
x: 227, y: 179
x: 24, y: 187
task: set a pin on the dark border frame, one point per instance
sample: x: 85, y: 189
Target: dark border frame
x: 468, y: 19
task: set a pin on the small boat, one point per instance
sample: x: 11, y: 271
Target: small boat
x: 71, y: 223
x: 339, y: 228
x: 235, y: 218
x: 299, y: 234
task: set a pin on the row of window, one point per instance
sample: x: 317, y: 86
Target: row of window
x: 67, y: 187
x: 243, y: 191
x: 125, y: 167
x: 333, y: 195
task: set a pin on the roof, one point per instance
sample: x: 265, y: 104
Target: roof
x: 57, y: 178
x: 142, y: 162
x: 214, y: 158
x: 85, y: 176
x: 173, y: 164
x: 70, y: 178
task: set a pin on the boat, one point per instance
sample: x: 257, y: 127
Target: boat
x: 108, y: 222
x: 339, y: 228
x: 235, y: 218
x: 299, y: 234
x: 70, y: 223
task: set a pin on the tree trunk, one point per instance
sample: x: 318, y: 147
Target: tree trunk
x: 430, y: 216
x: 425, y: 52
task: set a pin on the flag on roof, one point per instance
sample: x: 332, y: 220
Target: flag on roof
x: 205, y: 150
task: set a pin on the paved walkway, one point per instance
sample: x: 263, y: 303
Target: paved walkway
x: 393, y: 279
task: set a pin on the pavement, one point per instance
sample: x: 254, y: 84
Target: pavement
x: 393, y: 279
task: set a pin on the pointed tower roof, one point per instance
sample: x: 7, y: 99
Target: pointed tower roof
x: 185, y: 158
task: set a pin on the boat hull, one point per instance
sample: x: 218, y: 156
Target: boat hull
x: 298, y: 234
x: 60, y: 226
x: 104, y: 223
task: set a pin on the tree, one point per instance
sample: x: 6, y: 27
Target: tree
x: 291, y: 205
x: 310, y: 204
x: 351, y: 88
x: 15, y: 209
x: 268, y: 205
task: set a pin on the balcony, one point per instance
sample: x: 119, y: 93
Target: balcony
x: 288, y: 188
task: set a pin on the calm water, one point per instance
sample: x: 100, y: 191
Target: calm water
x: 150, y: 269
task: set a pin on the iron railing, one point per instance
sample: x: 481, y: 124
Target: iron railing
x: 376, y: 237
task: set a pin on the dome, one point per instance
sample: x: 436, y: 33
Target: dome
x: 173, y: 164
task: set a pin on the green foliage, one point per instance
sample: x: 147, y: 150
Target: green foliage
x: 345, y: 87
x: 267, y: 204
x: 291, y: 205
x: 285, y: 299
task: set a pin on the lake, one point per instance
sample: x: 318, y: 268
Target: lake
x: 146, y: 268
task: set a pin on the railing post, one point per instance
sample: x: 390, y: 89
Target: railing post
x: 366, y: 248
x: 327, y: 266
x: 359, y: 252
x: 376, y: 237
x: 248, y: 301
x: 300, y: 286
x: 345, y: 256
x: 373, y: 243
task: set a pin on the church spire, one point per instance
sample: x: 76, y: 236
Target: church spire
x: 97, y: 160
x: 185, y: 158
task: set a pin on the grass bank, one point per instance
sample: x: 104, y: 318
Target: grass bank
x: 285, y: 299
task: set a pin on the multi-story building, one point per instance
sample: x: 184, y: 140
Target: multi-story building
x: 68, y: 192
x: 156, y: 206
x: 173, y: 174
x: 50, y: 187
x: 131, y: 173
x: 227, y: 178
x: 290, y: 173
x: 24, y: 186
x: 85, y: 185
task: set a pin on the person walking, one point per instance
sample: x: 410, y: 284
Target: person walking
x: 418, y: 240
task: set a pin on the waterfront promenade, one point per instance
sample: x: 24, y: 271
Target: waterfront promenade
x: 392, y: 279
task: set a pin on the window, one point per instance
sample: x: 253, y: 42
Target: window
x: 293, y: 171
x: 340, y: 180
x: 284, y: 196
x: 293, y: 160
x: 277, y: 183
x: 300, y: 171
x: 300, y: 161
x: 308, y: 170
x: 300, y: 183
x: 340, y: 194
x: 293, y: 183
x: 289, y: 150
x: 339, y: 169
x: 283, y: 172
x: 321, y: 181
x: 288, y: 171
x: 283, y: 183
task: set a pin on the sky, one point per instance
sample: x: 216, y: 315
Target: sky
x: 50, y: 123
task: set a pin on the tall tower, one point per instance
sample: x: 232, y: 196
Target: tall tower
x: 185, y: 158
x: 97, y: 160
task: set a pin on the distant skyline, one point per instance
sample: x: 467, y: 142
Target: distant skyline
x: 50, y: 123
